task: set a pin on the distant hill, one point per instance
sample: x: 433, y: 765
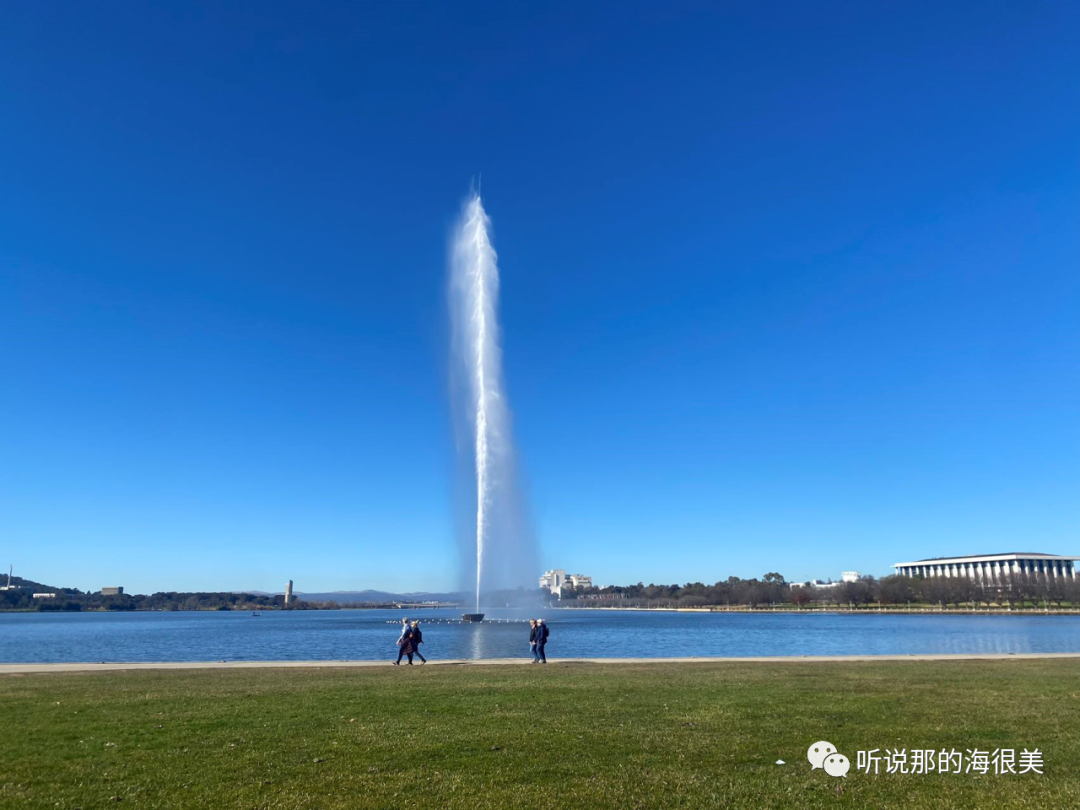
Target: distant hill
x: 37, y: 587
x: 357, y: 597
x: 21, y: 597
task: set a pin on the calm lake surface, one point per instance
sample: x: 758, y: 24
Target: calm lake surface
x: 369, y: 635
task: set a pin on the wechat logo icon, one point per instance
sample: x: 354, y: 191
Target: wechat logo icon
x: 823, y: 754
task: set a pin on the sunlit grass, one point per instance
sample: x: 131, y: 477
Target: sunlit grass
x: 650, y: 735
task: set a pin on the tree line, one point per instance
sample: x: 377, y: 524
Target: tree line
x: 72, y: 599
x: 1011, y: 590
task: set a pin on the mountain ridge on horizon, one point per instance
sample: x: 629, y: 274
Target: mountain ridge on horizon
x: 367, y: 595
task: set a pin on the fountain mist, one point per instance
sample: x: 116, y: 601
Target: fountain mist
x: 503, y: 542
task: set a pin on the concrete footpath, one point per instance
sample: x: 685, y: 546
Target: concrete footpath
x: 102, y: 666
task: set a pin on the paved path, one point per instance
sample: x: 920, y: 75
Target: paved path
x: 22, y: 669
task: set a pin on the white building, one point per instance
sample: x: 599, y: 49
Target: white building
x: 44, y: 595
x: 992, y: 566
x: 846, y: 576
x: 556, y: 579
x: 814, y: 583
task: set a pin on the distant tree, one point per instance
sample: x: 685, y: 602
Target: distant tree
x: 935, y: 590
x: 855, y: 593
x: 894, y: 590
x: 724, y: 593
x: 800, y: 597
x: 1026, y: 587
x: 692, y: 589
x: 749, y: 592
x: 1070, y: 591
x: 1049, y: 589
x: 983, y: 591
x: 962, y: 590
x: 692, y: 601
x: 1008, y: 591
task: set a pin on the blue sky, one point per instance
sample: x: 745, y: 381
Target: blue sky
x: 785, y: 286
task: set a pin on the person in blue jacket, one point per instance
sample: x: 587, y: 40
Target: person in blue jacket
x: 542, y: 634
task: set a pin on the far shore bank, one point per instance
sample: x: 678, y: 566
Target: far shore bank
x: 778, y: 609
x: 862, y: 611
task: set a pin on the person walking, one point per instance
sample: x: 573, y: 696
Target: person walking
x: 542, y: 634
x: 408, y: 644
x: 532, y: 640
x: 406, y: 630
x: 417, y: 639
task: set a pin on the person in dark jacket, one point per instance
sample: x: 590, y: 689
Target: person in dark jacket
x: 404, y: 642
x: 532, y: 639
x: 542, y: 634
x: 418, y: 639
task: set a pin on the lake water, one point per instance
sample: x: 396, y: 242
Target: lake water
x: 368, y: 635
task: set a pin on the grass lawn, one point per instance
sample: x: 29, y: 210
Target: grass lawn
x: 568, y: 735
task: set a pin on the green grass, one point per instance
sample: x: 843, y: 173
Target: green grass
x: 568, y: 735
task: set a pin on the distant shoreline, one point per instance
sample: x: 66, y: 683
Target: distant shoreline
x: 864, y: 611
x: 778, y: 610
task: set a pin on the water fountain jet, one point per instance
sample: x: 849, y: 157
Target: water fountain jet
x: 503, y: 540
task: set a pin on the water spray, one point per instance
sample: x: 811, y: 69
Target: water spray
x: 477, y: 276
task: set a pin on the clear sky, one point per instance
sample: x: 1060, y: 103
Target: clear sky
x: 786, y: 286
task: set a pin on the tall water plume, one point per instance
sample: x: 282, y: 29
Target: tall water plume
x: 502, y: 536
